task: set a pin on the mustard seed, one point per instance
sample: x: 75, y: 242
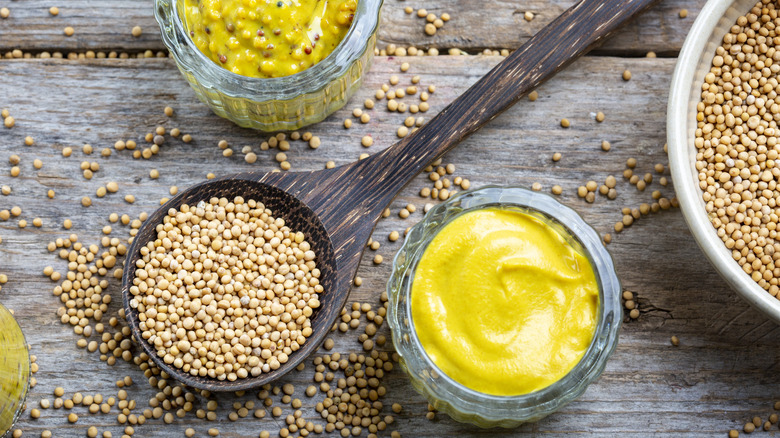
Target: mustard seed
x: 626, y: 75
x: 565, y: 123
x: 683, y: 13
x: 268, y: 360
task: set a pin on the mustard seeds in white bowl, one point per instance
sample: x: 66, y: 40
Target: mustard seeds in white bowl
x: 723, y: 143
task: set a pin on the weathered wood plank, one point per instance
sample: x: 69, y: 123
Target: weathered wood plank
x: 721, y: 375
x: 105, y: 25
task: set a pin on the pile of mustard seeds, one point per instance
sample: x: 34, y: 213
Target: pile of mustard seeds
x: 226, y: 290
x: 737, y: 143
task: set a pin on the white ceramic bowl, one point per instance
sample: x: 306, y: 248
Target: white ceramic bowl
x: 694, y: 62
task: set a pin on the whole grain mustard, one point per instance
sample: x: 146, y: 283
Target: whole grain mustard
x: 267, y: 38
x: 503, y: 303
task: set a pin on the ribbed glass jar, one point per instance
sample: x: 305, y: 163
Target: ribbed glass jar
x: 14, y: 371
x: 457, y: 400
x: 274, y: 104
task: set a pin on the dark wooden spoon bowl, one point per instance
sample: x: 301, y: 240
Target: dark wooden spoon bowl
x: 338, y: 208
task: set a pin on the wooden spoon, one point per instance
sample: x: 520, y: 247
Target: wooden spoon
x: 338, y: 208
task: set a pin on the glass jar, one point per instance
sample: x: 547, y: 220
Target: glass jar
x: 274, y: 104
x: 465, y: 404
x: 14, y: 370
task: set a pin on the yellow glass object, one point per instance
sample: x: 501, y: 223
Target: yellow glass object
x: 14, y: 370
x: 284, y: 38
x: 502, y: 303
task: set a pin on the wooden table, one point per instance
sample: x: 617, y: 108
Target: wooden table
x: 719, y: 377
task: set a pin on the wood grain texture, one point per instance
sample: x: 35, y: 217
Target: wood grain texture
x: 106, y: 25
x: 720, y: 376
x: 348, y: 201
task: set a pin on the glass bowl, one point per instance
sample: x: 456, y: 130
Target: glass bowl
x: 462, y: 403
x: 14, y: 371
x: 274, y: 104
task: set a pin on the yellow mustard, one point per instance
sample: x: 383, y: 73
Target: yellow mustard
x: 503, y: 303
x: 268, y: 38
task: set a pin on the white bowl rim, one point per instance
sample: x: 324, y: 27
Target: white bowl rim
x: 688, y: 193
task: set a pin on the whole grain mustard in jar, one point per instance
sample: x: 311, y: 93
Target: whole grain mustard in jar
x: 267, y: 38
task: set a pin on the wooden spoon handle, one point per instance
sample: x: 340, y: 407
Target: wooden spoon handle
x: 573, y: 33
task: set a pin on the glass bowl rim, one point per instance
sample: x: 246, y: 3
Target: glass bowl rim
x: 311, y: 80
x: 26, y: 391
x: 592, y: 363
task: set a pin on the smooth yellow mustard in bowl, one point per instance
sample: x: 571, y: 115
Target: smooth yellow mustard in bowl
x: 504, y: 306
x: 502, y: 303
